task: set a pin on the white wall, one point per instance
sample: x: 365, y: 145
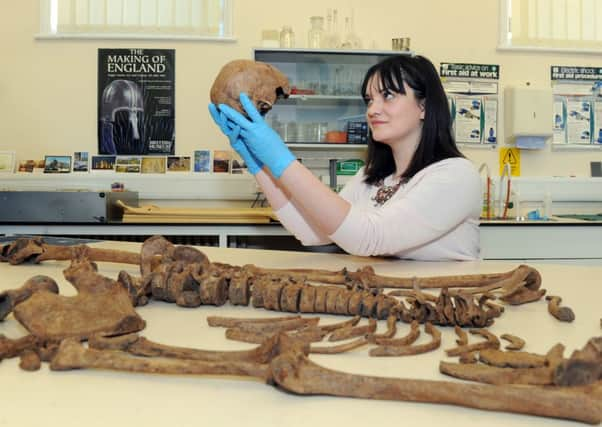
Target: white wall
x: 48, y: 88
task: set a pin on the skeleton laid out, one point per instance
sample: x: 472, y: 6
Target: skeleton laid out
x: 569, y: 388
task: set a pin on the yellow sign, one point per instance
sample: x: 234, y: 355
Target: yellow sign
x: 512, y: 157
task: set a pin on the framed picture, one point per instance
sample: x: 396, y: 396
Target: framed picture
x: 221, y: 161
x: 26, y: 166
x: 128, y: 164
x: 57, y: 164
x: 103, y: 163
x: 7, y: 161
x: 81, y: 161
x: 202, y: 161
x: 153, y: 164
x: 178, y: 163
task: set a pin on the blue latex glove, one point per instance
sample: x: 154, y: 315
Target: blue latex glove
x: 232, y: 131
x: 261, y: 140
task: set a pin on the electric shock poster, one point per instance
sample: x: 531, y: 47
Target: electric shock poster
x: 136, y: 101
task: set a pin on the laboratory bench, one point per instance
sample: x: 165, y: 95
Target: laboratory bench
x: 100, y: 398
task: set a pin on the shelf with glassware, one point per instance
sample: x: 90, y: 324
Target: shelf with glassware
x: 325, y: 107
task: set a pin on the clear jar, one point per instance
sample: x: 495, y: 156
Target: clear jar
x: 287, y: 37
x: 315, y: 35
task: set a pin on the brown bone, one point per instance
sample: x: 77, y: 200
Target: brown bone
x: 263, y: 83
x: 35, y: 250
x: 101, y: 305
x: 564, y: 314
x: 512, y: 359
x: 516, y: 343
x: 72, y: 355
x: 396, y: 350
x: 291, y: 370
x: 294, y: 372
x: 9, y: 299
x: 583, y: 367
x: 490, y: 342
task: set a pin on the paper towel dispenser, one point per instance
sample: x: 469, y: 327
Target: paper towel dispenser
x: 528, y: 115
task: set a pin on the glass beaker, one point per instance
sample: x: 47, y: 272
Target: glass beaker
x: 315, y: 35
x: 287, y: 37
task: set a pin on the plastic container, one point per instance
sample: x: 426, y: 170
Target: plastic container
x: 336, y: 137
x: 270, y: 38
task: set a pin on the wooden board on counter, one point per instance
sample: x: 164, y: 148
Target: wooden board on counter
x: 156, y: 214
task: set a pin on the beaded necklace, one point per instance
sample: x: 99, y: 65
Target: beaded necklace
x: 385, y: 192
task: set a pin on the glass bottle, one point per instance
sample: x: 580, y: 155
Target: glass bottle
x: 356, y: 42
x: 328, y: 34
x: 287, y: 37
x: 315, y: 35
x: 347, y: 42
x: 336, y: 37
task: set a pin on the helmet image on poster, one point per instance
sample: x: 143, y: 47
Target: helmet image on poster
x: 121, y: 118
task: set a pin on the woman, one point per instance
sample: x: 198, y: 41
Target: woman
x: 417, y: 197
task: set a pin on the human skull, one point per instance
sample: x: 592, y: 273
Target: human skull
x: 262, y: 82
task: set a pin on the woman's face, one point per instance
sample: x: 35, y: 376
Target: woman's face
x: 393, y: 117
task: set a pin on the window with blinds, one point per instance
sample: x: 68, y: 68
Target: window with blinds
x: 192, y: 19
x: 555, y: 24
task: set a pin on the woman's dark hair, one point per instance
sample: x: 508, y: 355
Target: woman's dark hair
x: 436, y: 142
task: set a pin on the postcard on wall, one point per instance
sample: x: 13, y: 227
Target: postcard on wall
x: 202, y: 161
x: 178, y: 164
x: 39, y: 166
x: 7, y: 161
x: 81, y: 161
x: 26, y: 166
x: 238, y: 165
x: 154, y: 164
x: 128, y: 164
x: 57, y: 164
x: 221, y: 161
x: 136, y: 101
x: 103, y: 164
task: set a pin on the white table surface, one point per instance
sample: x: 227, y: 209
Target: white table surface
x: 104, y: 398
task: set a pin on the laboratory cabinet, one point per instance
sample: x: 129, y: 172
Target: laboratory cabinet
x: 325, y: 106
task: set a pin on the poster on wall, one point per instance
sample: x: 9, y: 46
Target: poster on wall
x: 136, y: 101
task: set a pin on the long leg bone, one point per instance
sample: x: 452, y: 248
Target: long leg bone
x: 291, y: 370
x: 140, y: 346
x: 35, y: 251
x: 294, y: 372
x: 72, y: 355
